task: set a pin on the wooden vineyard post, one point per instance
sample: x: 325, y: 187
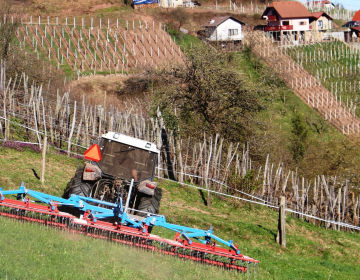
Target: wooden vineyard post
x: 72, y: 130
x: 281, y: 235
x: 43, y: 162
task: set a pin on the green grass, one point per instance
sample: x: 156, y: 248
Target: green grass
x: 185, y: 41
x: 52, y: 254
x: 311, y: 252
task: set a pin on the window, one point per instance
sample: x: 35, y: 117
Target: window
x: 302, y: 22
x: 233, y: 32
x: 320, y: 24
x: 286, y: 22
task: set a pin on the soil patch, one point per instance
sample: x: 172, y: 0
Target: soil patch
x: 121, y: 92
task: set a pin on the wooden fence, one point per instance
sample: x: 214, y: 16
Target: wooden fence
x: 209, y: 162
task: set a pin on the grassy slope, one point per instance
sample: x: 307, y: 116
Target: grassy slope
x: 311, y: 253
x: 276, y: 117
x: 324, y: 144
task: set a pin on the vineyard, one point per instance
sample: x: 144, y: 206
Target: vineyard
x: 102, y: 48
x: 209, y: 163
x: 336, y: 66
x: 332, y: 107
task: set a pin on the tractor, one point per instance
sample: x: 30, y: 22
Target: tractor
x: 121, y: 168
x: 114, y: 197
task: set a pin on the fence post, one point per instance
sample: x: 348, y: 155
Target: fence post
x: 281, y: 235
x: 72, y: 130
x: 42, y: 177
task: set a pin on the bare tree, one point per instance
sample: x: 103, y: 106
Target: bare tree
x: 210, y: 94
x: 180, y: 15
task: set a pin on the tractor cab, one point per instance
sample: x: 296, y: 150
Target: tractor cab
x: 125, y: 157
x: 117, y: 164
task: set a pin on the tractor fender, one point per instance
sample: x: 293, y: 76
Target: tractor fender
x: 91, y: 172
x: 144, y: 187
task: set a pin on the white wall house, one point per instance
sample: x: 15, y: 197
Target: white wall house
x: 224, y: 29
x: 321, y: 21
x: 320, y: 5
x: 290, y: 16
x: 171, y: 3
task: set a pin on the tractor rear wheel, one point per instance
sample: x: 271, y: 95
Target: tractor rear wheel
x: 150, y: 204
x: 77, y: 185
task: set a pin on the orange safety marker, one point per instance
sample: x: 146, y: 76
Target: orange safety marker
x: 93, y: 153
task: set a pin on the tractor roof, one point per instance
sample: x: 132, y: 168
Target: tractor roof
x: 131, y: 141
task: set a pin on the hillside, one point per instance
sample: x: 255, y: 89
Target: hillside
x: 289, y: 144
x: 311, y: 253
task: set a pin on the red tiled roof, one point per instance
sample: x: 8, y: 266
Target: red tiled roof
x: 290, y: 9
x: 357, y: 15
x: 319, y: 14
x: 355, y: 28
x: 218, y: 20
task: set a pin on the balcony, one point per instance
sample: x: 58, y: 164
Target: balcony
x: 279, y: 28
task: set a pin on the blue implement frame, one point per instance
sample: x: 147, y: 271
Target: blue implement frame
x: 117, y: 210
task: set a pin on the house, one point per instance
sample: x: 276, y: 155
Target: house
x: 320, y: 4
x: 356, y: 16
x: 171, y: 3
x: 353, y: 23
x: 287, y: 17
x: 329, y: 5
x: 320, y: 21
x: 224, y: 28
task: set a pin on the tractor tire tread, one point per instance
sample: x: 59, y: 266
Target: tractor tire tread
x: 77, y: 186
x: 150, y: 204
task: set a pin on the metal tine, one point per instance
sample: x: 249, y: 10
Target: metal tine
x: 48, y: 220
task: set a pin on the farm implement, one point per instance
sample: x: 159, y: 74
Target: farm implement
x: 113, y: 222
x: 114, y: 197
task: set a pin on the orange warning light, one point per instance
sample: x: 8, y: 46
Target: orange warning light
x: 93, y: 153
